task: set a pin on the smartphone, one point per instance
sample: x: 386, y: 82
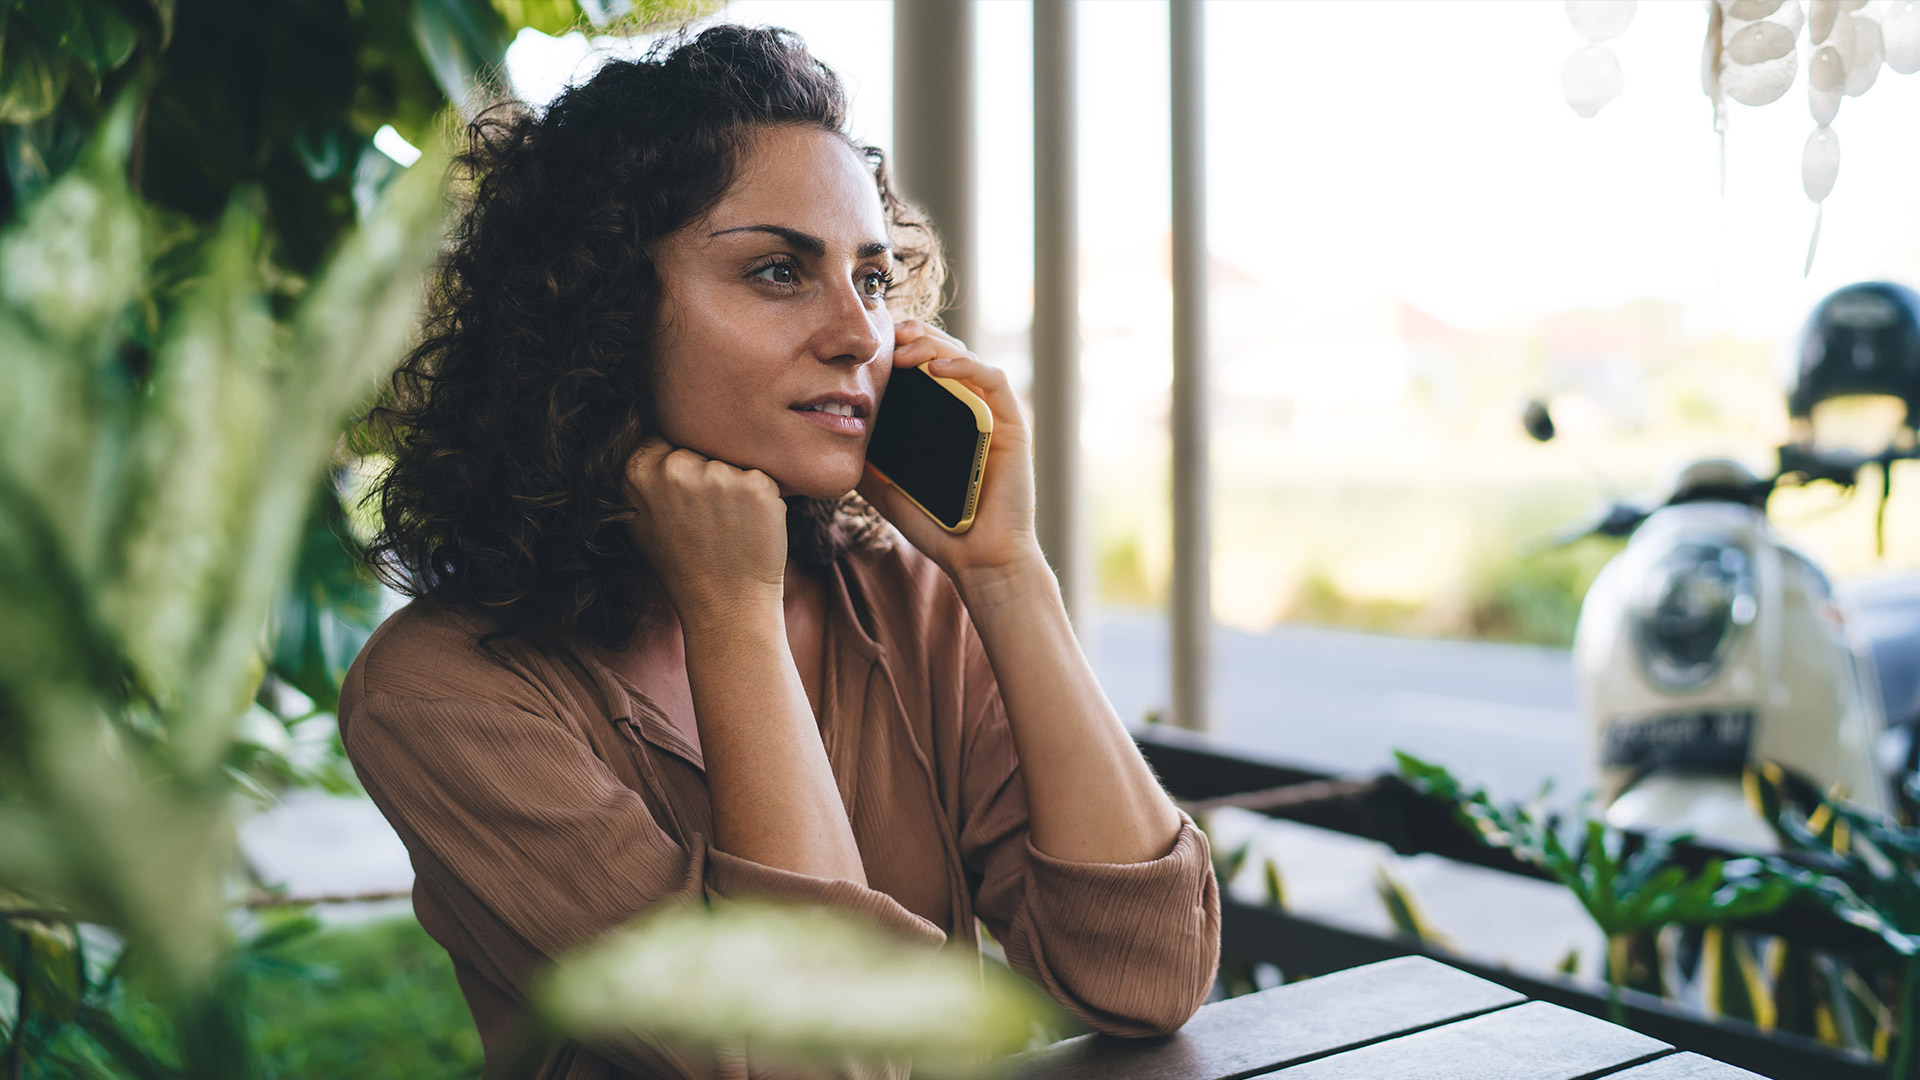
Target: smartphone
x: 930, y: 439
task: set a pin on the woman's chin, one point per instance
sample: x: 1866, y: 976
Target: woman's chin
x: 820, y: 484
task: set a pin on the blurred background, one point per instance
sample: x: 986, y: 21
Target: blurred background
x: 1409, y: 236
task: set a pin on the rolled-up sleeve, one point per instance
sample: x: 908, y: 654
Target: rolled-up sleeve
x: 1129, y: 948
x: 531, y: 846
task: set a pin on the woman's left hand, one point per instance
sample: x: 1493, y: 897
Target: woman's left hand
x: 1002, y: 539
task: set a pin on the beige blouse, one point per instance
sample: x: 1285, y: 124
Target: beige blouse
x: 545, y: 800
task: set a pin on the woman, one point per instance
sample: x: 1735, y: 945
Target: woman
x: 659, y: 649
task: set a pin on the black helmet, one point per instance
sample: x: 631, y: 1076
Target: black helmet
x: 1862, y: 339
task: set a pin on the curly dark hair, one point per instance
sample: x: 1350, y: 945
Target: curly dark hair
x: 511, y: 421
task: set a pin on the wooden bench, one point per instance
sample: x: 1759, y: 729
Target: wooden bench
x: 1405, y: 1019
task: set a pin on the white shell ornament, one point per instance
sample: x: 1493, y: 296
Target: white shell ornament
x: 1843, y: 40
x: 1760, y: 42
x: 1820, y: 163
x: 1753, y: 9
x: 1820, y: 19
x: 1868, y: 54
x: 1825, y: 71
x: 1823, y: 104
x: 1759, y: 84
x: 1790, y: 16
x: 1590, y: 78
x: 1900, y: 33
x: 1598, y: 20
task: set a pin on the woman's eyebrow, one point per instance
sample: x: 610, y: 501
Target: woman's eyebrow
x: 807, y: 242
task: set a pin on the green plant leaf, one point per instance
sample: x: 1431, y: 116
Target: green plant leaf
x: 328, y: 607
x: 350, y: 326
x: 1276, y: 887
x: 796, y: 984
x: 550, y: 17
x: 33, y: 73
x: 1623, y: 894
x: 464, y: 44
x: 92, y: 32
x: 126, y: 1049
x: 1405, y: 912
x: 195, y: 466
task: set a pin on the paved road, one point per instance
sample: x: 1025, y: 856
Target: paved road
x: 1345, y: 701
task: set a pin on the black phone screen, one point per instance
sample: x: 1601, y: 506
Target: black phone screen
x: 925, y: 440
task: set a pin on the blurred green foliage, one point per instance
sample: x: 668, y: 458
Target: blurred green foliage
x: 722, y: 976
x: 1535, y: 596
x: 204, y: 268
x: 149, y: 516
x: 1868, y: 873
x: 377, y: 1001
x: 1629, y: 891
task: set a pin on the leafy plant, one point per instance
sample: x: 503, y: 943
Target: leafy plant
x: 1870, y: 878
x: 1409, y: 918
x: 147, y: 520
x: 1627, y: 891
x: 798, y: 985
x: 179, y: 351
x: 277, y: 104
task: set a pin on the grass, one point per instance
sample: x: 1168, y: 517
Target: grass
x: 370, y: 1001
x: 377, y: 1001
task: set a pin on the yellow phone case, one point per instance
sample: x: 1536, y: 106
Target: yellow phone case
x: 983, y: 420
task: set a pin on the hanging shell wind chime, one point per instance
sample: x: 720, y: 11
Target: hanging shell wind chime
x: 1752, y: 55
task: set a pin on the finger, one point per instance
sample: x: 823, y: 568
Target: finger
x: 921, y: 350
x: 971, y: 370
x: 935, y: 330
x: 912, y: 330
x: 879, y: 492
x: 683, y: 467
x: 757, y: 482
x: 990, y: 383
x: 646, y: 460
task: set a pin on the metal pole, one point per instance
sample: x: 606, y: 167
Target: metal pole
x: 1192, y: 577
x: 933, y: 137
x: 1055, y: 336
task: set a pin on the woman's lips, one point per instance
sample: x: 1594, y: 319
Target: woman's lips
x: 834, y: 422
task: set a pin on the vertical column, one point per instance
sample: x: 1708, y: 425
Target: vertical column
x: 1055, y: 338
x: 1192, y: 621
x: 933, y: 138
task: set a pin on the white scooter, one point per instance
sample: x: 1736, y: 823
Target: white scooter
x: 1709, y: 644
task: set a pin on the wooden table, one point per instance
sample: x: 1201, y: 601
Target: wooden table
x: 1405, y: 1019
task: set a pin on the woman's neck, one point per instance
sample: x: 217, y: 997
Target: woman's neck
x: 655, y: 660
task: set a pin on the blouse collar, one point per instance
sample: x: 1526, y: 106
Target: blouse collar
x: 851, y: 652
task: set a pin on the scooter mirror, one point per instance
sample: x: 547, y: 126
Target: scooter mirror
x: 1537, y: 421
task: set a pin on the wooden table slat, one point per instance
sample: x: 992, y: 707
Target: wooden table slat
x: 1260, y: 1032
x: 1535, y: 1041
x: 1685, y: 1067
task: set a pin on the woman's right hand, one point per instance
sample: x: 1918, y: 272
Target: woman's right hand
x: 714, y: 535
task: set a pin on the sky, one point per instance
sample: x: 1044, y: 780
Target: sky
x: 1414, y: 149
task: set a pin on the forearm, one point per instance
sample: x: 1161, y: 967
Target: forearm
x: 1090, y: 795
x: 773, y: 793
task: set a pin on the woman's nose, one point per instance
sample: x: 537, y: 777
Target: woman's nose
x: 847, y: 331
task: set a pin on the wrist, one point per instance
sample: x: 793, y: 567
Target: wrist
x: 705, y: 615
x: 987, y: 589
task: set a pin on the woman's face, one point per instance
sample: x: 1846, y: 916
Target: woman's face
x: 774, y: 323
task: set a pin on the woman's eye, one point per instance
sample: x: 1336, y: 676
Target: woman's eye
x: 780, y: 273
x: 875, y: 284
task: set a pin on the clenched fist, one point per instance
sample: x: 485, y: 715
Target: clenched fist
x: 715, y: 535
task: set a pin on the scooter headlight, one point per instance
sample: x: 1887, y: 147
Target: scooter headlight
x: 1696, y: 600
